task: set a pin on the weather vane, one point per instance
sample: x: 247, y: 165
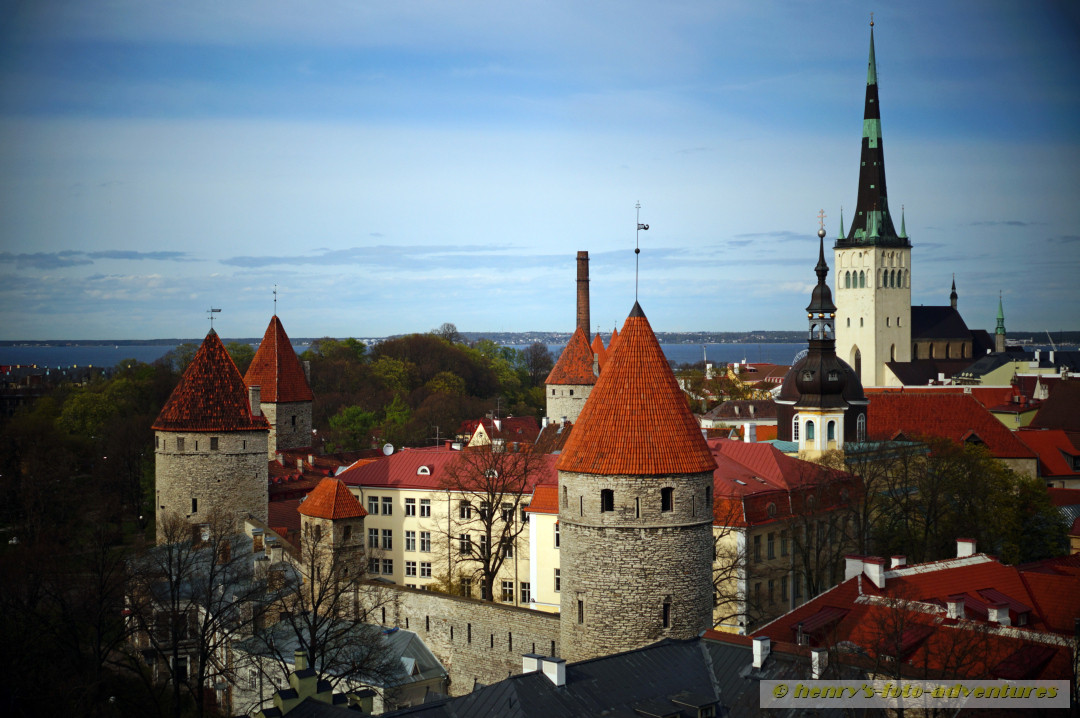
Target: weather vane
x: 275, y: 300
x: 211, y: 312
x: 637, y: 247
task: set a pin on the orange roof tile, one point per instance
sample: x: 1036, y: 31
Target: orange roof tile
x: 637, y: 419
x: 599, y: 350
x: 575, y: 363
x: 545, y: 499
x: 211, y: 395
x: 276, y: 370
x: 331, y: 500
x: 614, y: 338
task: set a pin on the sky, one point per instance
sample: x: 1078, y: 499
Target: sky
x: 393, y: 165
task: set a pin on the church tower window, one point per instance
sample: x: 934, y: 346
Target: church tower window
x: 809, y: 431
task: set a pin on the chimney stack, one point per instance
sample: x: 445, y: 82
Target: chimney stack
x: 819, y: 661
x: 254, y: 394
x: 761, y: 650
x: 965, y: 547
x: 583, y: 292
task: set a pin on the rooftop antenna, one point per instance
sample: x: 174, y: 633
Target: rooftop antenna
x: 275, y: 300
x: 637, y: 247
x: 211, y: 312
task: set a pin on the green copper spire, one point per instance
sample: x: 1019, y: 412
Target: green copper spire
x: 903, y: 229
x: 1000, y: 317
x: 871, y: 70
x: 841, y: 223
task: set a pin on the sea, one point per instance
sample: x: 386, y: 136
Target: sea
x: 110, y: 355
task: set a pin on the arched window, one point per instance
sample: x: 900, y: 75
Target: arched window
x: 862, y: 279
x: 888, y: 321
x: 894, y: 278
x: 565, y: 499
x: 809, y: 431
x: 858, y: 362
x: 892, y: 352
x: 318, y: 532
x: 795, y: 428
x: 667, y: 498
x: 830, y: 431
x: 932, y: 352
x: 860, y: 428
x: 607, y: 500
x: 914, y: 351
x: 847, y: 280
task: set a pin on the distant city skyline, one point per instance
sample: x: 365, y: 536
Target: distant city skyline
x: 393, y: 166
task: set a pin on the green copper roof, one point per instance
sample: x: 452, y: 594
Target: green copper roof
x: 1000, y: 318
x: 871, y: 70
x: 841, y: 223
x: 903, y: 228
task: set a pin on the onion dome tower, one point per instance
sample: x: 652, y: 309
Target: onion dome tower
x: 821, y: 403
x: 635, y: 508
x: 571, y: 380
x: 873, y: 262
x: 210, y: 443
x: 332, y: 520
x: 283, y: 390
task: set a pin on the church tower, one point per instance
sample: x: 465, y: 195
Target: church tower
x: 284, y: 392
x: 873, y: 262
x: 635, y: 508
x: 210, y: 443
x: 999, y: 330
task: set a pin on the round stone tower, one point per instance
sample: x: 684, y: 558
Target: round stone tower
x: 635, y: 508
x: 210, y: 443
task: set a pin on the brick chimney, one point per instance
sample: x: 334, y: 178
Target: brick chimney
x: 583, y: 292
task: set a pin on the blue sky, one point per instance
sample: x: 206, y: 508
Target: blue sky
x: 391, y: 166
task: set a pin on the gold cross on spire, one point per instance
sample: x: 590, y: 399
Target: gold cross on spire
x: 821, y: 219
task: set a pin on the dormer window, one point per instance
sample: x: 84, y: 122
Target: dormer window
x: 834, y: 375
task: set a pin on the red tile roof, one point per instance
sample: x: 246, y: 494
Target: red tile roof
x: 952, y: 416
x: 331, y: 500
x: 1056, y: 453
x: 282, y: 517
x: 276, y: 369
x: 545, y: 499
x: 1059, y: 409
x: 402, y: 470
x: 636, y: 420
x: 211, y: 395
x: 1064, y: 497
x: 599, y: 350
x: 575, y: 365
x: 514, y: 428
x: 1050, y: 590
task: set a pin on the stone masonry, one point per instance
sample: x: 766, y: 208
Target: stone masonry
x: 624, y: 564
x: 198, y: 472
x: 290, y: 425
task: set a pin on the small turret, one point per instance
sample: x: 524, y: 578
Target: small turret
x: 952, y: 294
x: 999, y: 331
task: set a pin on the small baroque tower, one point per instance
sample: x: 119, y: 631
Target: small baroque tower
x: 210, y: 443
x: 999, y: 330
x: 635, y: 508
x: 284, y: 393
x: 821, y: 404
x: 873, y: 262
x: 332, y: 529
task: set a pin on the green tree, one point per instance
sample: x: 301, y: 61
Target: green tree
x: 242, y: 353
x: 350, y: 429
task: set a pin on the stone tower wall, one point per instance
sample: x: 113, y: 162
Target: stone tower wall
x: 563, y: 403
x: 625, y: 564
x: 343, y: 537
x: 285, y: 432
x: 231, y: 477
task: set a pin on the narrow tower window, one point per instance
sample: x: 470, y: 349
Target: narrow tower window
x: 607, y: 500
x: 667, y: 495
x: 667, y: 614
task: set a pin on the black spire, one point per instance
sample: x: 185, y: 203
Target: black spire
x: 872, y: 223
x: 820, y: 376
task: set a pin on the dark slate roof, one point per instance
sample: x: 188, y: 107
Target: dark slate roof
x: 981, y: 342
x: 740, y: 409
x: 937, y: 323
x: 920, y: 372
x: 1059, y: 409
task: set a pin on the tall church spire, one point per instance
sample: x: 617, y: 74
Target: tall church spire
x: 999, y: 331
x: 872, y: 223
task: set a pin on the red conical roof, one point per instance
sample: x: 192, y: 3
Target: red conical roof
x: 331, y: 500
x: 276, y: 370
x: 599, y: 350
x: 575, y: 363
x: 211, y: 395
x: 636, y: 420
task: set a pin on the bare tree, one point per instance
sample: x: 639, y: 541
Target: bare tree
x: 189, y: 597
x: 538, y: 362
x: 326, y: 607
x: 490, y: 485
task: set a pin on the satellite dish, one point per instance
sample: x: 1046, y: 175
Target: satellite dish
x: 387, y: 449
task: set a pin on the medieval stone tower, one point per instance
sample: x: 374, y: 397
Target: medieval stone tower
x: 873, y: 263
x: 635, y: 508
x: 332, y: 527
x: 571, y: 380
x: 210, y: 443
x: 284, y: 393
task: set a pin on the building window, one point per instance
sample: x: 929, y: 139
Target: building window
x: 425, y: 541
x: 809, y: 431
x: 484, y: 546
x: 387, y: 505
x: 410, y: 568
x: 860, y: 427
x: 425, y: 569
x: 180, y: 443
x: 772, y: 590
x: 347, y: 533
x: 526, y: 592
x: 388, y: 539
x: 757, y: 548
x: 508, y: 591
x: 508, y: 548
x: 410, y: 507
x: 464, y: 545
x: 667, y: 498
x: 508, y: 513
x: 373, y: 538
x: 830, y: 431
x: 860, y: 321
x: 667, y: 614
x: 795, y: 428
x: 772, y: 545
x: 373, y: 505
x: 485, y: 510
x: 580, y: 611
x: 849, y: 322
x: 464, y: 510
x: 194, y: 506
x: 783, y: 588
x: 465, y: 587
x: 213, y: 443
x: 783, y: 543
x: 557, y: 532
x: 373, y: 565
x: 607, y: 500
x: 388, y: 566
x: 425, y: 508
x: 797, y: 586
x: 558, y: 581
x: 410, y: 540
